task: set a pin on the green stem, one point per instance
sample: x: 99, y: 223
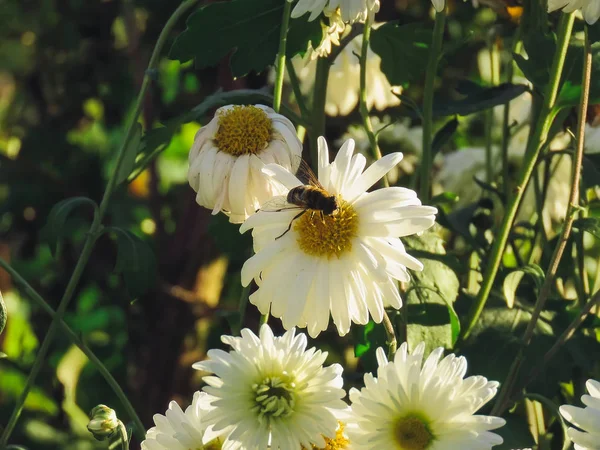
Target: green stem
x: 434, y: 57
x: 243, y: 303
x: 75, y: 339
x: 280, y: 65
x: 506, y: 125
x: 533, y: 149
x: 364, y: 110
x: 489, y: 116
x: 96, y: 226
x: 318, y: 107
x: 565, y: 233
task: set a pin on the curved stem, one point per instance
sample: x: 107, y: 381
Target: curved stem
x: 434, y: 56
x: 278, y: 88
x: 566, y: 229
x: 364, y: 110
x: 75, y: 339
x: 96, y: 227
x: 531, y: 155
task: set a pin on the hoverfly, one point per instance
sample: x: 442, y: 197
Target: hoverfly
x: 310, y: 196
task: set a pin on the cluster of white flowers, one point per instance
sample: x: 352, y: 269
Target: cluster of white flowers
x: 273, y: 392
x: 331, y: 250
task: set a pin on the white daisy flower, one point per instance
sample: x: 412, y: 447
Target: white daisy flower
x: 271, y: 390
x: 589, y: 8
x: 332, y: 31
x: 228, y: 153
x: 350, y: 10
x: 586, y: 419
x: 343, y: 85
x: 344, y: 263
x: 178, y: 430
x: 419, y: 405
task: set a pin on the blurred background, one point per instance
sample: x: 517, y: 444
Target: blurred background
x: 70, y: 71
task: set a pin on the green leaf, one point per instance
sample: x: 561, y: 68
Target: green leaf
x: 443, y: 136
x: 589, y: 224
x: 130, y: 154
x: 3, y: 314
x: 250, y: 28
x: 53, y: 231
x: 478, y: 98
x: 136, y: 261
x: 431, y: 295
x: 513, y: 279
x: 404, y: 51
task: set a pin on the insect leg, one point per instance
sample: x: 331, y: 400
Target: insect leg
x: 291, y: 222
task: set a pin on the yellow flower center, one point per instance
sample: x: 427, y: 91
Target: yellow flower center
x: 215, y: 444
x: 275, y: 397
x: 327, y: 235
x: 242, y: 130
x: 338, y: 443
x: 412, y: 433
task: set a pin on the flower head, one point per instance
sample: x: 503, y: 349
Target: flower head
x: 178, y: 430
x: 343, y: 263
x: 419, y: 405
x: 343, y: 85
x: 350, y: 10
x: 589, y: 8
x: 228, y: 153
x: 586, y: 419
x: 271, y: 389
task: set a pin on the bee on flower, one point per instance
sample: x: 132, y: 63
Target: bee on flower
x: 341, y: 260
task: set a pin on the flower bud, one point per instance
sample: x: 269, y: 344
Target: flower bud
x: 103, y: 422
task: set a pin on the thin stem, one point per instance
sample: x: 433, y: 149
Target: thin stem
x: 489, y: 116
x: 566, y: 229
x: 96, y: 226
x: 243, y: 303
x: 75, y: 339
x: 318, y: 107
x: 531, y: 155
x: 434, y: 56
x: 364, y: 110
x: 506, y: 125
x: 390, y: 335
x: 280, y: 65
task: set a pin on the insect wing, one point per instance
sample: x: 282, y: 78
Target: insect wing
x: 306, y: 175
x: 278, y: 203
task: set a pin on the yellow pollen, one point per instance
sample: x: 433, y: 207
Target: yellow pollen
x: 327, y: 235
x: 412, y: 433
x: 242, y: 130
x: 338, y: 443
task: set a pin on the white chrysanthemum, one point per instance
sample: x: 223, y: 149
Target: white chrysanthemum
x: 228, y: 153
x: 332, y: 31
x: 439, y: 5
x: 178, y: 430
x: 589, y: 8
x: 586, y: 419
x: 343, y: 85
x: 309, y: 265
x: 419, y: 405
x: 350, y: 10
x: 271, y: 389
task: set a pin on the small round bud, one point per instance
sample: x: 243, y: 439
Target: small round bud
x: 103, y: 422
